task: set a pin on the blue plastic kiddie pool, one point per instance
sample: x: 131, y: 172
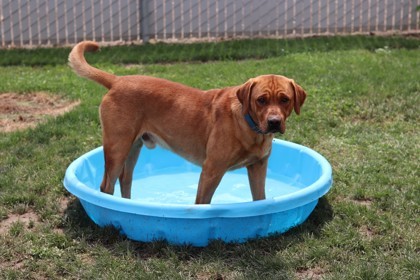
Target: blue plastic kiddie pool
x: 164, y: 189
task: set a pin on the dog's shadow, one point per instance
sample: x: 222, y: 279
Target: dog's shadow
x: 77, y: 224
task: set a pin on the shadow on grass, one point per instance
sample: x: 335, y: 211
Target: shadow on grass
x: 78, y: 225
x: 272, y: 257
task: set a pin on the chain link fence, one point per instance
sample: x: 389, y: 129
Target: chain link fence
x: 59, y: 22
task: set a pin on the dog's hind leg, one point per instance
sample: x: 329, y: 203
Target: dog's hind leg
x: 126, y: 176
x: 116, y: 153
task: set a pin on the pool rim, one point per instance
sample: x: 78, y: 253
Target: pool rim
x: 191, y: 211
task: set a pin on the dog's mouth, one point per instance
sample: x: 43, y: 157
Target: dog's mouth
x: 275, y: 130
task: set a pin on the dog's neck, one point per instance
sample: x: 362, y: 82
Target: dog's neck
x: 252, y: 124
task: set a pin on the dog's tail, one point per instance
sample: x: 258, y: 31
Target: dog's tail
x: 78, y: 62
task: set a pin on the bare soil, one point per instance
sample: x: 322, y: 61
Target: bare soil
x: 311, y: 273
x: 26, y: 219
x: 21, y: 111
x: 30, y: 219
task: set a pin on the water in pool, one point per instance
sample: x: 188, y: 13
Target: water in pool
x: 181, y: 188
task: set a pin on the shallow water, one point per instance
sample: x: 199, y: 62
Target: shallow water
x: 181, y: 188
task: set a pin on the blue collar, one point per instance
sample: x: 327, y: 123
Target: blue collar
x: 252, y: 124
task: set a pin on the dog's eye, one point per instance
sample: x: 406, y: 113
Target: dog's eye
x: 284, y: 100
x: 261, y: 100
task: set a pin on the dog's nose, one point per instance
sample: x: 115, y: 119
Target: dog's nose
x: 274, y: 123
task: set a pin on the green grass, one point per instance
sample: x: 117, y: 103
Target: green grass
x: 361, y: 114
x: 203, y: 52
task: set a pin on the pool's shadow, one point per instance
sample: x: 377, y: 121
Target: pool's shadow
x: 272, y: 257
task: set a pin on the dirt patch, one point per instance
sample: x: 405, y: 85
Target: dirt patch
x: 28, y: 219
x: 310, y: 273
x: 20, y: 111
x: 363, y: 201
x: 209, y: 275
x: 63, y: 204
x: 367, y: 232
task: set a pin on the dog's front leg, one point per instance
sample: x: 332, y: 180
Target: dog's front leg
x: 210, y: 177
x: 256, y: 175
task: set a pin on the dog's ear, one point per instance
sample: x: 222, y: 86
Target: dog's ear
x: 244, y: 95
x: 299, y: 98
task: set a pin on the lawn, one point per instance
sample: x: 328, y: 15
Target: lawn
x: 361, y: 114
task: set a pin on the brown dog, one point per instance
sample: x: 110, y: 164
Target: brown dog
x: 219, y: 129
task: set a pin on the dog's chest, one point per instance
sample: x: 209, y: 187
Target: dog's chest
x: 260, y: 152
x: 253, y: 154
x: 261, y: 146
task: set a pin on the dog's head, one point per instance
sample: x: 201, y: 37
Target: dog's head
x: 269, y: 100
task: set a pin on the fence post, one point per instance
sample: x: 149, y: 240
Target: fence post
x: 414, y: 24
x: 144, y: 20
